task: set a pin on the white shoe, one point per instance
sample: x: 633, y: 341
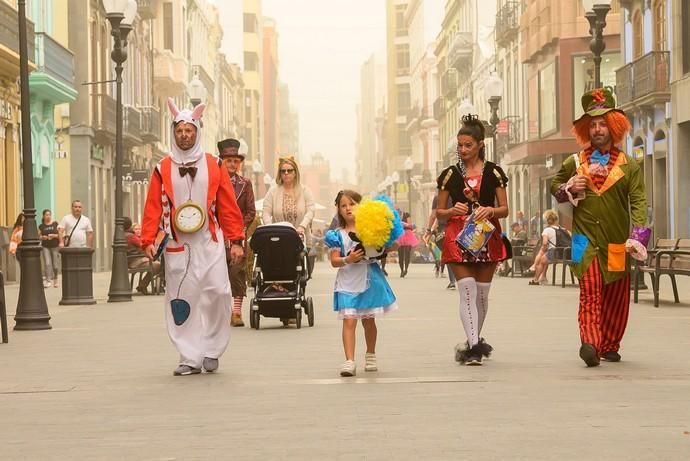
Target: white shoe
x: 370, y: 362
x: 47, y: 284
x: 348, y: 369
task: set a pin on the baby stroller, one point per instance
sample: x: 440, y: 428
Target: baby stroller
x: 280, y: 276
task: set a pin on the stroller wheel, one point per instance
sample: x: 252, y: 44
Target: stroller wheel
x: 254, y: 319
x: 298, y: 318
x: 310, y: 311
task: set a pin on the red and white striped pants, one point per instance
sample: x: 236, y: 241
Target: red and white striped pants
x: 603, y: 313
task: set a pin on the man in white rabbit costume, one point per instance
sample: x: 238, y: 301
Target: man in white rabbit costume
x: 192, y: 203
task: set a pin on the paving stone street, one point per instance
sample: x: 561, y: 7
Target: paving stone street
x: 99, y: 385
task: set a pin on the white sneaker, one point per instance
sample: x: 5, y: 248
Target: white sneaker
x: 47, y: 284
x: 370, y: 362
x: 348, y: 369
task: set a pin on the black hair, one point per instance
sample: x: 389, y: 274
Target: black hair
x: 472, y: 126
x: 230, y: 142
x: 353, y: 195
x: 126, y: 223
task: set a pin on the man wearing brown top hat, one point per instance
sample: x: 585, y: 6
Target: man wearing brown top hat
x: 228, y: 151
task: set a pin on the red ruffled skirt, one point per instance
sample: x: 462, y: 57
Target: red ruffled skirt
x: 494, y: 251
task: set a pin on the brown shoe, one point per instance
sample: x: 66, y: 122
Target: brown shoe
x: 236, y: 320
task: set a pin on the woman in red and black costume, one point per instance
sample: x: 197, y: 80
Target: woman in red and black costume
x: 477, y: 186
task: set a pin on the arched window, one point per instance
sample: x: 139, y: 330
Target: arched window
x: 638, y: 38
x: 660, y: 26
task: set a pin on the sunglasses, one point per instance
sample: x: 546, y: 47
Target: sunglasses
x: 287, y: 171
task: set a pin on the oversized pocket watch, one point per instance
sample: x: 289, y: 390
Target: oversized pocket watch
x: 189, y: 217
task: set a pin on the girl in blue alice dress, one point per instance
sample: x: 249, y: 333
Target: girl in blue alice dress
x: 361, y: 290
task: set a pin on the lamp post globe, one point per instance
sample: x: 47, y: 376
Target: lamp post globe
x: 494, y: 91
x: 465, y: 108
x: 196, y: 90
x: 257, y: 169
x: 120, y: 14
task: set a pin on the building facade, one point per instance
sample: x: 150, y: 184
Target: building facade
x: 644, y: 93
x: 558, y: 69
x: 679, y: 46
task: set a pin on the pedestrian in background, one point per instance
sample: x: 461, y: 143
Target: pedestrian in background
x: 75, y: 229
x: 50, y: 243
x: 361, y: 291
x: 16, y: 236
x: 477, y: 187
x: 406, y: 242
x: 229, y: 153
x: 290, y: 201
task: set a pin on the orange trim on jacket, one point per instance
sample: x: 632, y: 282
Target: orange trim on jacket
x: 220, y: 202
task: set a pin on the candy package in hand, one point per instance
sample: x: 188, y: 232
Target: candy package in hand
x: 475, y: 234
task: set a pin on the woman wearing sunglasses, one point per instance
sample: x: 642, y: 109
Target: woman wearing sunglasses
x: 289, y: 201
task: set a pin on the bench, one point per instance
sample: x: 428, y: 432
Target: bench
x: 156, y: 284
x: 668, y: 257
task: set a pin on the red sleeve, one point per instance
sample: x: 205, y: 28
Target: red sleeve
x: 133, y: 240
x: 229, y: 214
x: 153, y: 209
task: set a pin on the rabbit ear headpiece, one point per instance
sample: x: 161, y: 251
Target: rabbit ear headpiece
x: 193, y: 117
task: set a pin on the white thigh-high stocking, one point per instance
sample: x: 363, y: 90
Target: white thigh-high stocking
x: 482, y: 302
x: 467, y: 289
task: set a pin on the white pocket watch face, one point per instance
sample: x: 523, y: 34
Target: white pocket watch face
x: 189, y: 217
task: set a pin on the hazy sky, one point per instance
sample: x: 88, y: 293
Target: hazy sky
x: 321, y: 47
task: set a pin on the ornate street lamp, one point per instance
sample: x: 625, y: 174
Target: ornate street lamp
x: 396, y: 179
x: 32, y: 310
x: 494, y: 90
x: 196, y: 90
x: 595, y: 12
x: 466, y: 107
x: 268, y: 181
x: 408, y: 165
x: 121, y: 14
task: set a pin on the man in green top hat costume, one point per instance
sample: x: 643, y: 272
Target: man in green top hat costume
x: 606, y: 189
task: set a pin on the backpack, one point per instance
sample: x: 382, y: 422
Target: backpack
x: 563, y: 238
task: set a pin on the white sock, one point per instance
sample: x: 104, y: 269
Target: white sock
x: 482, y: 302
x: 467, y: 289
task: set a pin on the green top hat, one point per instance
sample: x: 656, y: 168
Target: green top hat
x: 597, y: 102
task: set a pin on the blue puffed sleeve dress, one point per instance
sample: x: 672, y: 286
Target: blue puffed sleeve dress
x: 361, y: 290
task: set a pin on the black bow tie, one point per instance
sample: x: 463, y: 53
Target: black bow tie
x: 188, y: 169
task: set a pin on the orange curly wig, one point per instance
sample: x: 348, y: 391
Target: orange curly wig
x: 617, y: 122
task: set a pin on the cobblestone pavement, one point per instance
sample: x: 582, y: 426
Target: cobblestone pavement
x: 99, y: 385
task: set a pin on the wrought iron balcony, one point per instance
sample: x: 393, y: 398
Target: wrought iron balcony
x: 103, y: 107
x: 507, y: 23
x: 131, y: 124
x: 150, y: 124
x: 460, y: 51
x: 9, y: 31
x: 509, y: 133
x: 644, y: 82
x: 54, y: 59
